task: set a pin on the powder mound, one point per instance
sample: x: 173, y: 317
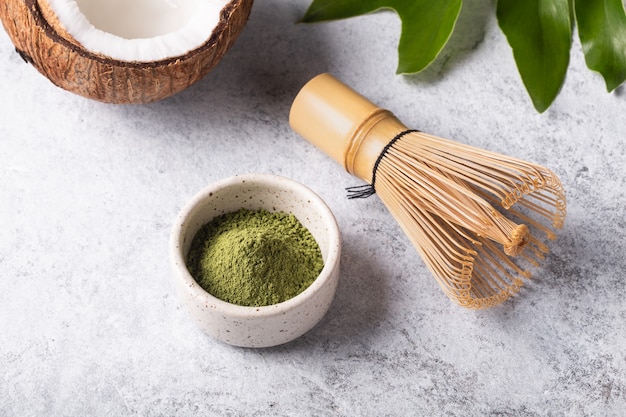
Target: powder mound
x: 254, y: 257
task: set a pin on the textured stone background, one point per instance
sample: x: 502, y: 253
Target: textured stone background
x: 89, y: 324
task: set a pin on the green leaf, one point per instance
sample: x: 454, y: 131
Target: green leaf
x: 540, y: 34
x: 602, y: 31
x: 426, y: 24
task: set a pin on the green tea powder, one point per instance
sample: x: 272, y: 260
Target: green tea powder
x: 254, y: 257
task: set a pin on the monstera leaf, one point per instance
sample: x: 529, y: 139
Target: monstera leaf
x: 426, y: 24
x: 538, y: 31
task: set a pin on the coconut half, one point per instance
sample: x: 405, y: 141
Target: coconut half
x: 124, y: 51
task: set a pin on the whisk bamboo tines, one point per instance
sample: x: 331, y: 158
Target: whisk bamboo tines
x: 478, y: 219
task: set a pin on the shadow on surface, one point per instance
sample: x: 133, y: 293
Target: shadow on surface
x: 468, y: 34
x: 575, y: 272
x: 359, y: 306
x: 272, y: 59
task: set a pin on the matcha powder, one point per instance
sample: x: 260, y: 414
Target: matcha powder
x: 254, y: 257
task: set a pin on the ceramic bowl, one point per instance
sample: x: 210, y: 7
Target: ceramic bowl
x: 267, y: 325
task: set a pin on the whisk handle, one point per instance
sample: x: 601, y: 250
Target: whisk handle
x: 343, y: 124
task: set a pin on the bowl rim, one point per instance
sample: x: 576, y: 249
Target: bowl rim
x: 238, y: 311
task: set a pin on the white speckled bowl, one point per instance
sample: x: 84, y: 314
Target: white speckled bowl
x: 268, y: 325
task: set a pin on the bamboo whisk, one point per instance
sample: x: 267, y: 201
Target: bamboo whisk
x: 449, y: 198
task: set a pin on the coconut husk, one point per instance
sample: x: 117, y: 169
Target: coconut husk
x: 42, y: 41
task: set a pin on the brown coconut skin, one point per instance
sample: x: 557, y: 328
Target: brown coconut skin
x: 42, y: 41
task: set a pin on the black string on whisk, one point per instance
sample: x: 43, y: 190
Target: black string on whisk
x: 368, y: 190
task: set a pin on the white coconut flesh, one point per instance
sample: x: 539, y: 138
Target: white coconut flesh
x: 139, y: 30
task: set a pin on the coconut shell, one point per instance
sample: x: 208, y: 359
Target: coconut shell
x: 42, y: 41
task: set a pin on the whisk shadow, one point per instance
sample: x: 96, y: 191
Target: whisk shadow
x: 578, y: 258
x: 569, y: 271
